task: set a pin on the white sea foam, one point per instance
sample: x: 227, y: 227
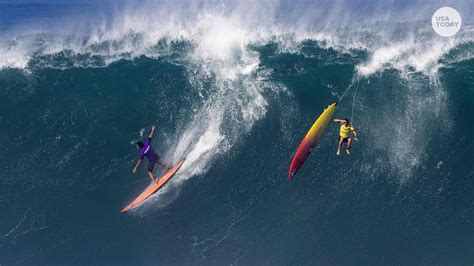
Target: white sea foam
x: 421, y: 55
x: 235, y: 103
x: 217, y: 28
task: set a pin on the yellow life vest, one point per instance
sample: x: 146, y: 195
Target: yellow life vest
x: 345, y: 130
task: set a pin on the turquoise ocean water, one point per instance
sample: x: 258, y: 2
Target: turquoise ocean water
x: 234, y: 87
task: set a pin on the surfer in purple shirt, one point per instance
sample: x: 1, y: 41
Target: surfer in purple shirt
x: 147, y: 151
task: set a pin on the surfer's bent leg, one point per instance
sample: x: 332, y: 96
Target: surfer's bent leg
x: 162, y: 165
x: 348, y: 147
x: 339, y: 145
x: 151, y: 165
x: 150, y: 174
x: 158, y: 161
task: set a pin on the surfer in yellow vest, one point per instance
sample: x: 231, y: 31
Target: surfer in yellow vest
x: 344, y: 134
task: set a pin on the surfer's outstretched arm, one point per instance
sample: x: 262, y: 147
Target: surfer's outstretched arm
x: 152, y: 131
x: 137, y: 165
x: 338, y: 121
x: 355, y: 135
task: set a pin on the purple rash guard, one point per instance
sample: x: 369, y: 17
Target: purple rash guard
x: 148, y: 151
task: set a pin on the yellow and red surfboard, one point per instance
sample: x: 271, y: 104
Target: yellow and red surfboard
x: 310, y: 140
x: 153, y: 187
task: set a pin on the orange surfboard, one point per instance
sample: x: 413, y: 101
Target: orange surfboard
x: 152, y: 188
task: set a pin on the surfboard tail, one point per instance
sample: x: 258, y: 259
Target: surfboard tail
x: 154, y: 187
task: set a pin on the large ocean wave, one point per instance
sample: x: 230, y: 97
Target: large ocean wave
x: 219, y: 47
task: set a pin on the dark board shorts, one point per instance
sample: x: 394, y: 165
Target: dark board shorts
x: 344, y: 139
x: 151, y: 164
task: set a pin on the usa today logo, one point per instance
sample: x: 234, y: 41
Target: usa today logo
x: 446, y: 21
